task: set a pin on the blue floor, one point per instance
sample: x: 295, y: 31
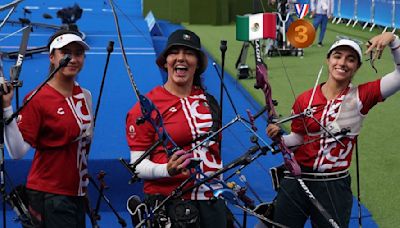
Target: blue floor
x: 118, y: 97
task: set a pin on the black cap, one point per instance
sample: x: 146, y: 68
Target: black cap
x: 183, y: 37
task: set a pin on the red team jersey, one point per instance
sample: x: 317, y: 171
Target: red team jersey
x: 59, y: 128
x: 185, y: 119
x: 347, y: 111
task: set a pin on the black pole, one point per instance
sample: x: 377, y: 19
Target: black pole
x: 358, y: 188
x: 95, y: 215
x: 121, y: 221
x: 223, y: 48
x: 100, y: 177
x: 110, y: 48
x: 226, y: 91
x: 244, y: 219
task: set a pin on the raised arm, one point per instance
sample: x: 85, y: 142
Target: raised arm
x: 390, y: 83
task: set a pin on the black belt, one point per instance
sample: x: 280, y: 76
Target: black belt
x: 320, y: 176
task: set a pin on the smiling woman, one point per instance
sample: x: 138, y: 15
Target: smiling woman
x: 324, y: 139
x: 188, y: 113
x: 181, y: 65
x: 57, y: 123
x: 183, y: 53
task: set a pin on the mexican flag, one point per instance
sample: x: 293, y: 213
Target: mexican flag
x: 256, y: 26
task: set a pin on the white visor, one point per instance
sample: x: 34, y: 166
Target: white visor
x: 350, y: 43
x: 65, y: 39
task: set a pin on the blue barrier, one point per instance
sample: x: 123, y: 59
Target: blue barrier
x: 397, y: 14
x: 383, y: 12
x: 347, y: 9
x: 303, y: 1
x: 370, y: 11
x: 364, y: 12
x: 336, y: 11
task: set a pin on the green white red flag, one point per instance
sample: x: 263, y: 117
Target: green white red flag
x: 256, y: 26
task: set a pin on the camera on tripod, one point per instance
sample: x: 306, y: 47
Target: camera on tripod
x: 69, y: 16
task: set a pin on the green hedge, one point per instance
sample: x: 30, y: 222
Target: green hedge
x: 175, y: 11
x: 211, y: 12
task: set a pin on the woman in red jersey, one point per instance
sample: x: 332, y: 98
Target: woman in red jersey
x: 340, y: 108
x: 57, y: 123
x: 187, y: 114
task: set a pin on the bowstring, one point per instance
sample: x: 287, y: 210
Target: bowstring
x: 133, y: 24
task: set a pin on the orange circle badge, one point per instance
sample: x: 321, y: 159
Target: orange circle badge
x: 301, y: 33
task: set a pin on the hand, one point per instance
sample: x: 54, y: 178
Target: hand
x: 273, y: 131
x: 379, y: 43
x: 178, y: 161
x: 8, y: 93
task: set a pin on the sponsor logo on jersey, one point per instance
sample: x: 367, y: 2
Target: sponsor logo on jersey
x: 60, y: 111
x: 131, y: 131
x: 173, y: 109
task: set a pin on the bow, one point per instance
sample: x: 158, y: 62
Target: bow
x: 149, y: 111
x: 14, y: 198
x: 262, y: 83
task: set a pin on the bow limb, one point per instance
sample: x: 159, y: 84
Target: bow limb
x: 147, y: 107
x: 16, y: 69
x: 262, y: 83
x: 121, y: 43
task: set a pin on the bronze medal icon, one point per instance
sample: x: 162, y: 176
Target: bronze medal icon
x: 301, y: 33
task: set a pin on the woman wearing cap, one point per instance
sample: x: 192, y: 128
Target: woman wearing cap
x: 340, y: 107
x: 187, y: 113
x: 57, y: 124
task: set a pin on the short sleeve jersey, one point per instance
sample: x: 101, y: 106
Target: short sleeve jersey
x: 324, y: 154
x: 59, y: 128
x: 185, y: 120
